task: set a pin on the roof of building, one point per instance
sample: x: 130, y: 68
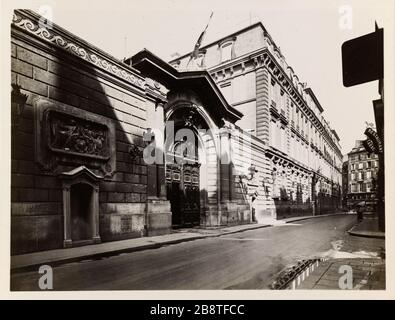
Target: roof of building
x: 335, y: 134
x: 252, y: 26
x: 358, y: 147
x: 154, y: 67
x: 310, y: 92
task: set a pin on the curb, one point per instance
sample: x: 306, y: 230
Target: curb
x: 365, y: 235
x: 317, y: 216
x: 61, y: 261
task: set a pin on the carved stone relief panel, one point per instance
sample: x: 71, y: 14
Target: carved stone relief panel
x: 65, y: 135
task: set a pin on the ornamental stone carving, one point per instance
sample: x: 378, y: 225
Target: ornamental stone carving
x: 65, y: 135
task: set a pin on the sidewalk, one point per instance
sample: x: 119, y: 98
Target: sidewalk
x: 368, y: 227
x: 61, y: 256
x: 367, y: 274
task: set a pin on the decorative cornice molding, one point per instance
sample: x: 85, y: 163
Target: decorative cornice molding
x: 264, y: 58
x: 49, y: 35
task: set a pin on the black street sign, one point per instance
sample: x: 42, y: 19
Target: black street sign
x: 373, y: 144
x: 363, y: 59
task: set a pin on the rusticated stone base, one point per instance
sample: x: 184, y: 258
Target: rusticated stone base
x: 234, y: 213
x: 263, y: 214
x: 158, y: 217
x: 120, y: 221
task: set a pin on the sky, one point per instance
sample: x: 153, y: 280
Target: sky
x: 309, y: 33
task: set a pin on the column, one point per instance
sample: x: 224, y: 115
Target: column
x: 95, y: 215
x: 67, y: 242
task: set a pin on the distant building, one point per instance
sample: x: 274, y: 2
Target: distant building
x: 362, y: 176
x: 301, y: 169
x: 345, y: 184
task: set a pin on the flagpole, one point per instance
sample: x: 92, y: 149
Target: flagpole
x: 195, y: 51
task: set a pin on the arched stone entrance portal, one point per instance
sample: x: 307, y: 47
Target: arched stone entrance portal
x: 186, y: 164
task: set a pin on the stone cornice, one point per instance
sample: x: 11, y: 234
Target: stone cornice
x: 278, y: 158
x: 264, y: 58
x: 29, y: 22
x: 155, y: 90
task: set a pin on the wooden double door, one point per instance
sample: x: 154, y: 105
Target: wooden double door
x: 183, y: 192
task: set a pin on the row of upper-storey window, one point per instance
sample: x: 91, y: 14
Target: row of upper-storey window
x: 362, y: 156
x: 278, y: 98
x: 361, y: 187
x: 364, y: 165
x: 363, y: 175
x: 298, y: 149
x: 310, y: 132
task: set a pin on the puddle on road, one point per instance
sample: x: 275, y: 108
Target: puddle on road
x: 336, y: 252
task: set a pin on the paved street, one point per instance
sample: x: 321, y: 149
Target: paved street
x: 244, y: 260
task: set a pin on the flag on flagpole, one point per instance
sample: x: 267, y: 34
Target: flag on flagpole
x: 195, y: 51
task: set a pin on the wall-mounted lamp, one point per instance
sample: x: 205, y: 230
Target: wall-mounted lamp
x: 265, y: 185
x: 274, y: 174
x: 135, y: 152
x: 18, y: 100
x: 251, y: 173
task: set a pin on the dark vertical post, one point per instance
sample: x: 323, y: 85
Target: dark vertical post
x: 378, y: 106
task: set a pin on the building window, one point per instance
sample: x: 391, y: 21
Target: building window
x: 368, y: 175
x: 369, y: 164
x: 273, y: 133
x: 283, y: 139
x: 226, y: 51
x: 360, y: 165
x: 360, y: 175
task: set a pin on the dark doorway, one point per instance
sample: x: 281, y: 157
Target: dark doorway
x: 183, y: 192
x: 81, y: 211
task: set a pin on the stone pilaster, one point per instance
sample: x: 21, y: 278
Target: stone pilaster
x: 262, y: 105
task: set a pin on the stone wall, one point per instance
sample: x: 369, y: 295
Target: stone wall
x: 48, y: 67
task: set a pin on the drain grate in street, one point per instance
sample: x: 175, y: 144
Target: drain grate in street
x: 293, y: 276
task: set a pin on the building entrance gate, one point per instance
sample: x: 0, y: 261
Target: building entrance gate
x: 183, y: 192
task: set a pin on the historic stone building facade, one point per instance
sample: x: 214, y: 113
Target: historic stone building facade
x: 362, y: 177
x: 103, y: 150
x: 296, y: 154
x: 81, y: 122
